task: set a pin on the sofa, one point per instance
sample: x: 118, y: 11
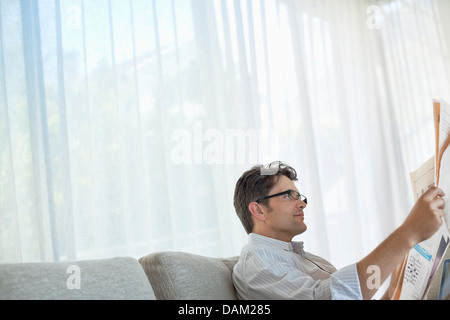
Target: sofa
x: 158, y: 276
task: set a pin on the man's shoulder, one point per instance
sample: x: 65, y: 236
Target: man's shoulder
x: 256, y: 258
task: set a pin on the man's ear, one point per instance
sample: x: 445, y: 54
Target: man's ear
x: 256, y: 210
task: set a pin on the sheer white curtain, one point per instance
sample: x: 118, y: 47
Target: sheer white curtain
x: 124, y: 124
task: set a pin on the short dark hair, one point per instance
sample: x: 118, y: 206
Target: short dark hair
x: 255, y: 184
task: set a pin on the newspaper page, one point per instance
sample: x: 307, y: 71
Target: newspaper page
x: 420, y: 265
x: 443, y: 155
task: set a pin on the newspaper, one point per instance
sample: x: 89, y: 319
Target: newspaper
x: 442, y: 125
x: 419, y: 266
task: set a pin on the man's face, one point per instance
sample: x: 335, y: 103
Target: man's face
x: 284, y: 215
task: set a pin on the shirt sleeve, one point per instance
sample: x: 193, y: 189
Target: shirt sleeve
x: 264, y: 276
x: 345, y: 284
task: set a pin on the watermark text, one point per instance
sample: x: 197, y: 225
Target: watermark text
x: 74, y: 280
x: 218, y: 146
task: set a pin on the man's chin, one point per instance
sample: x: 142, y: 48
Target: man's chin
x: 303, y: 229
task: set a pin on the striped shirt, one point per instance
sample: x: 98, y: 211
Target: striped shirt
x: 273, y: 269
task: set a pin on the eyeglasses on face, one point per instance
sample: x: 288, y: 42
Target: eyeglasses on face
x: 292, y: 194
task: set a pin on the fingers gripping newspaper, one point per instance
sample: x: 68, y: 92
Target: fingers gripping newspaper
x: 420, y: 265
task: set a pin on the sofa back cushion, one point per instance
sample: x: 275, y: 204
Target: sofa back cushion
x: 103, y: 279
x: 187, y: 276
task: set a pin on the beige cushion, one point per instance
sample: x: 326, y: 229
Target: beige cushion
x: 186, y: 276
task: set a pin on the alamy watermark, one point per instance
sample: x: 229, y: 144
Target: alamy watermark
x: 198, y: 145
x: 375, y: 18
x: 374, y: 280
x: 74, y: 280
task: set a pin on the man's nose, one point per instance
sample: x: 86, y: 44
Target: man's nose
x: 301, y: 203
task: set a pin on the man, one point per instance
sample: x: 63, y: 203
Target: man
x: 272, y: 266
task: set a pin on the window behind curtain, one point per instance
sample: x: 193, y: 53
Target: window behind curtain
x: 115, y: 115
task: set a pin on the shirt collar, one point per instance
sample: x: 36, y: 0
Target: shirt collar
x: 292, y: 246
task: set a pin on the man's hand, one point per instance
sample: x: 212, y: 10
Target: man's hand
x: 425, y: 218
